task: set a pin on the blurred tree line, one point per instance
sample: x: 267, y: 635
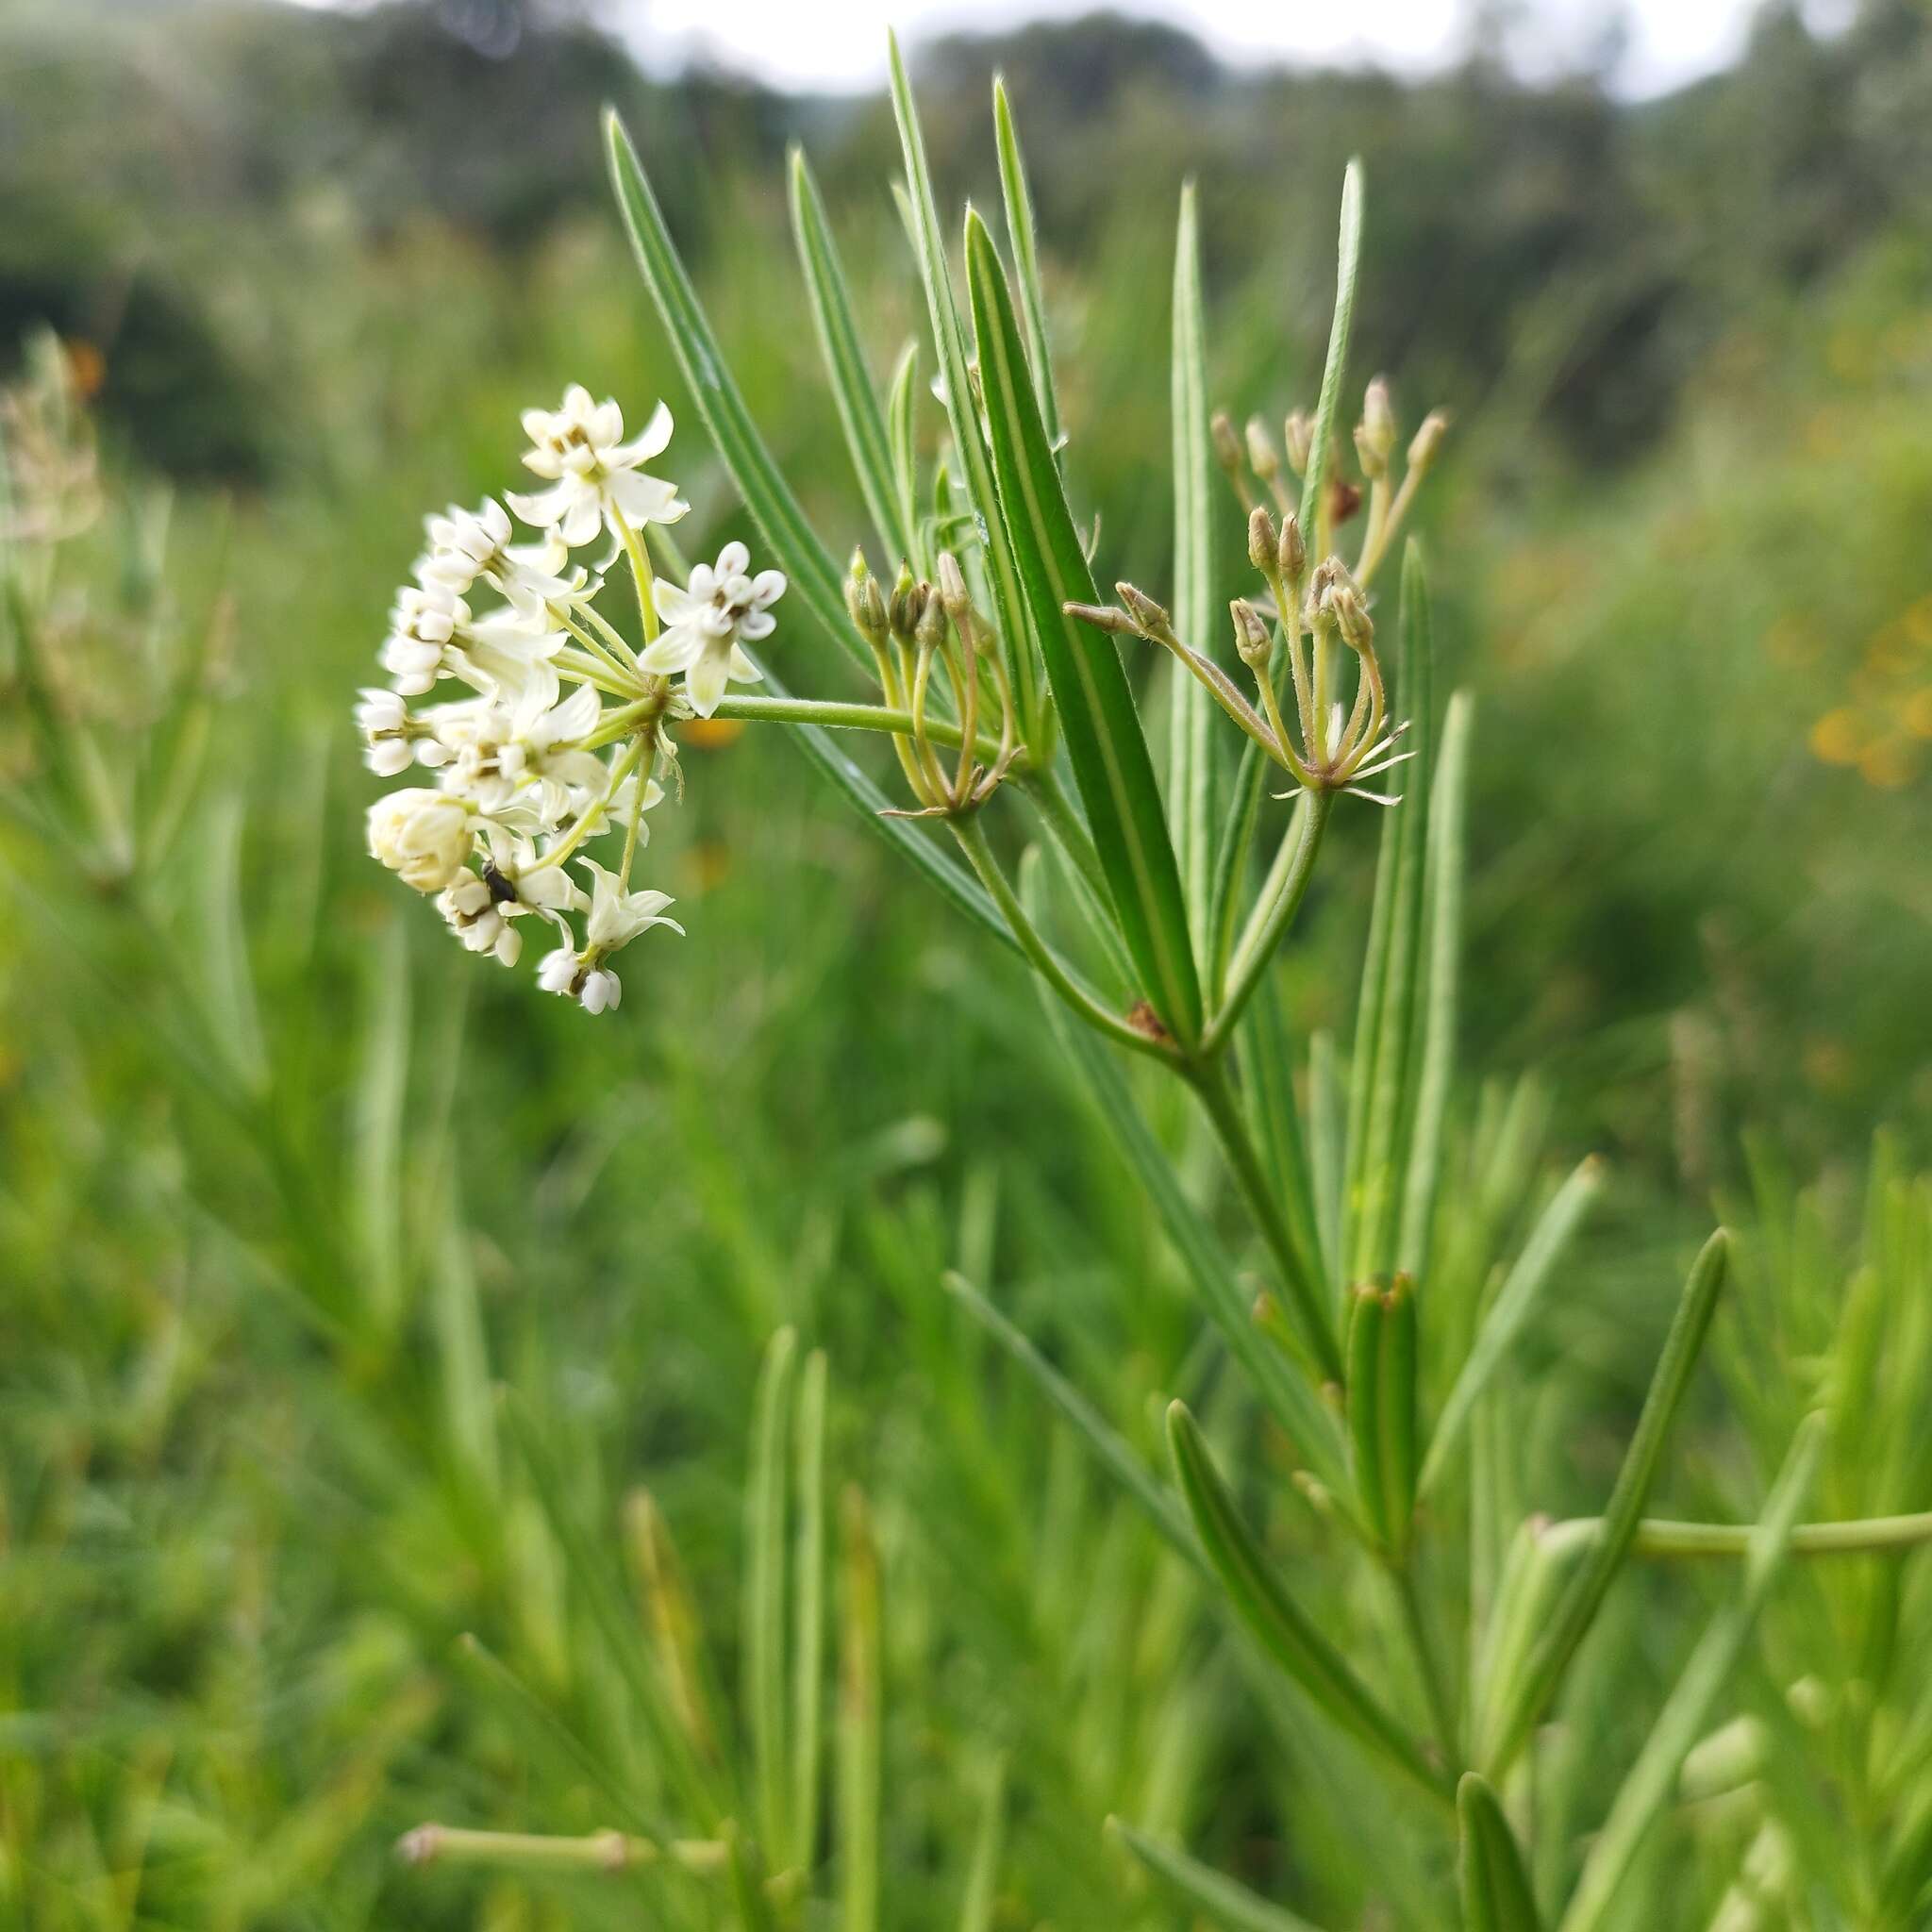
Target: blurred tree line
x: 1620, y: 235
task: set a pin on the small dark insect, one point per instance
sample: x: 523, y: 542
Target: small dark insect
x: 499, y: 888
x: 1344, y: 499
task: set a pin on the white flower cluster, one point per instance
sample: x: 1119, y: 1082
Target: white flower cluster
x: 561, y: 724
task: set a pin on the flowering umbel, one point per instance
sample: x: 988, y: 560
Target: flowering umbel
x: 547, y: 727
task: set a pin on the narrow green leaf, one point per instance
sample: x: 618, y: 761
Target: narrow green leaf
x: 1516, y: 1301
x: 983, y: 1874
x: 1442, y: 960
x: 375, y: 1154
x: 858, y: 1722
x: 1240, y: 817
x: 808, y: 1666
x: 236, y: 1018
x: 1309, y: 1425
x: 1386, y: 1051
x: 859, y: 416
x: 1348, y: 257
x: 949, y: 342
x: 1111, y: 763
x: 1496, y: 1895
x: 1326, y: 1145
x: 1265, y: 1058
x: 1365, y: 1313
x: 1647, y: 1789
x: 745, y: 1868
x: 1542, y: 1559
x: 1395, y: 1409
x: 902, y: 428
x: 1283, y: 1630
x: 1018, y: 198
x: 804, y: 559
x: 1530, y: 1694
x: 1203, y: 1888
x: 1115, y: 1456
x: 469, y: 1404
x: 766, y: 1508
x: 1191, y: 788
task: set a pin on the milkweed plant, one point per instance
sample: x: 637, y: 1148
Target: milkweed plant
x: 538, y: 682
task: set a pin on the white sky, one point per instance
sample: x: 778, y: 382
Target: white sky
x: 840, y: 44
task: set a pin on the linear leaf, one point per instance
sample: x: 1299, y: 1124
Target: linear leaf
x: 1516, y: 1301
x: 1281, y: 1627
x: 1200, y: 1886
x: 1533, y: 1687
x: 767, y: 1497
x: 858, y: 406
x: 1191, y: 788
x: 1442, y: 960
x: 776, y: 510
x: 1495, y: 1889
x: 1647, y: 1788
x: 949, y: 340
x: 1115, y: 1455
x: 1110, y: 759
x: 858, y: 1721
x: 900, y: 420
x: 1348, y: 254
x: 1018, y: 198
x: 808, y: 1662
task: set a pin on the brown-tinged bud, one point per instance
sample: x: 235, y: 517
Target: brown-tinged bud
x: 929, y: 627
x: 1372, y: 465
x: 1149, y: 617
x: 1292, y: 554
x: 1253, y: 640
x: 866, y: 600
x: 1378, y: 420
x: 1262, y: 456
x: 953, y: 590
x: 1299, y: 430
x: 1350, y: 617
x: 1265, y: 541
x: 1227, y: 448
x: 1102, y: 617
x: 1428, y: 440
x: 908, y: 602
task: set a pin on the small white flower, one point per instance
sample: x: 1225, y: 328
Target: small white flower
x: 479, y: 907
x: 594, y: 988
x: 421, y: 624
x: 384, y: 721
x: 557, y: 971
x: 468, y: 544
x: 601, y: 987
x: 424, y: 836
x: 594, y: 473
x: 705, y: 620
x: 617, y: 916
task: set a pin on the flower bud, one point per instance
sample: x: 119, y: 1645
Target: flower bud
x: 908, y: 602
x: 1350, y: 617
x: 1265, y: 541
x: 1262, y: 458
x: 1378, y: 420
x: 866, y: 600
x: 953, y: 590
x: 1150, y: 619
x: 1227, y: 449
x: 422, y: 835
x: 1292, y: 554
x: 1299, y: 430
x: 1428, y: 440
x: 1253, y: 640
x: 929, y: 627
x: 1372, y: 464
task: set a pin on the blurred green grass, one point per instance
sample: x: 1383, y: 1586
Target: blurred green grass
x: 241, y: 1538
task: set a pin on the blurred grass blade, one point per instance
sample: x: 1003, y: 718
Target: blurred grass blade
x: 600, y: 1591
x: 469, y: 1402
x: 1283, y: 1630
x: 1542, y: 1559
x: 1115, y: 1455
x: 745, y: 1868
x: 376, y: 1158
x: 858, y: 1721
x: 983, y: 1874
x: 949, y: 342
x: 859, y: 416
x: 1200, y: 1888
x: 1191, y: 791
x: 1347, y: 263
x: 1111, y: 763
x: 1017, y: 199
x: 766, y: 1512
x: 1494, y: 1888
x: 676, y: 1625
x: 1652, y: 1779
x: 1442, y: 962
x: 901, y: 428
x: 808, y: 1666
x: 1515, y: 1303
x: 234, y: 1016
x: 1309, y: 1425
x: 1384, y: 1075
x: 1533, y: 1687
x: 775, y: 509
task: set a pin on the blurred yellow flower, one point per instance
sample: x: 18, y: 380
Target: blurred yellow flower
x: 1838, y: 738
x: 1889, y: 763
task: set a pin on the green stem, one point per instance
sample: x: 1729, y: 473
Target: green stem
x: 1045, y: 960
x: 1280, y: 898
x: 524, y: 1851
x: 1428, y: 1668
x: 1860, y: 1536
x: 842, y: 717
x: 1209, y: 1080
